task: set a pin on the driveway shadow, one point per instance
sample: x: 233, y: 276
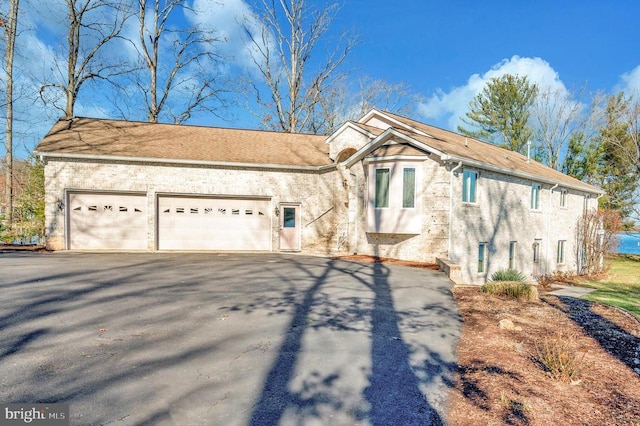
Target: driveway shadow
x: 242, y: 339
x: 394, y: 383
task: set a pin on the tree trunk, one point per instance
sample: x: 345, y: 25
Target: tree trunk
x: 10, y: 29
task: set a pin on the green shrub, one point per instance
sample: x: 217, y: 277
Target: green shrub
x: 511, y: 289
x: 557, y: 356
x: 508, y: 275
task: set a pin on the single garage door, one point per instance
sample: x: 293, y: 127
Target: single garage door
x: 202, y: 223
x: 107, y: 221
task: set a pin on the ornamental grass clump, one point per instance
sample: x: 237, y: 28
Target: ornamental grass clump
x: 556, y: 355
x: 511, y: 289
x: 508, y: 275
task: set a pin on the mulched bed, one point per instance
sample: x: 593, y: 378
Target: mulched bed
x: 13, y: 247
x: 499, y: 380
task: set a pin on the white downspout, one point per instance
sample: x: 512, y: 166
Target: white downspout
x: 356, y: 221
x: 451, y: 209
x: 546, y: 256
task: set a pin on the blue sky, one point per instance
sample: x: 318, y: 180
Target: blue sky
x: 445, y: 51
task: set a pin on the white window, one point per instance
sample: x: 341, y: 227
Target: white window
x: 482, y: 257
x: 408, y: 188
x: 512, y: 254
x: 560, y: 257
x: 563, y: 198
x: 469, y: 185
x: 382, y: 188
x: 535, y: 196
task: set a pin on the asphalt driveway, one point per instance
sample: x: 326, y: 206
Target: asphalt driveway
x: 235, y: 339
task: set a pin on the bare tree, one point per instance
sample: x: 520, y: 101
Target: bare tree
x: 556, y: 116
x: 341, y: 102
x: 282, y: 48
x: 92, y: 24
x: 596, y: 234
x: 10, y: 25
x: 189, y: 74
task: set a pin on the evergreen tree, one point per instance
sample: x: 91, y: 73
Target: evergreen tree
x: 500, y: 113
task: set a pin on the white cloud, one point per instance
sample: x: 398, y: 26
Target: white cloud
x: 228, y: 19
x: 448, y: 107
x: 630, y: 82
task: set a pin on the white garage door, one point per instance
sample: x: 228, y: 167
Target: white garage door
x: 107, y: 221
x: 200, y: 223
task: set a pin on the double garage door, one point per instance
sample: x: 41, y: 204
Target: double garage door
x: 99, y: 221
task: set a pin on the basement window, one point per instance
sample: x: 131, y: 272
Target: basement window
x: 560, y: 257
x: 482, y: 258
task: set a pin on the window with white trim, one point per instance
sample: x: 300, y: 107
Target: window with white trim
x: 535, y: 196
x: 512, y: 254
x: 560, y: 256
x: 408, y: 187
x: 563, y: 198
x: 482, y: 258
x: 469, y: 186
x: 382, y: 188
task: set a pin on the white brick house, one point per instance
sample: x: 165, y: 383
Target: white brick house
x: 385, y: 185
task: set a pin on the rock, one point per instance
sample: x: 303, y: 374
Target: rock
x: 507, y: 324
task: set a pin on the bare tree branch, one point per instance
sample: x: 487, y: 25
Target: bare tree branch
x: 287, y: 37
x: 85, y: 40
x: 191, y: 47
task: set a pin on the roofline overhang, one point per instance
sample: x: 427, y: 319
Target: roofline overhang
x: 346, y: 125
x: 391, y: 132
x: 398, y: 157
x: 374, y: 111
x: 524, y: 175
x: 185, y: 162
x: 381, y: 139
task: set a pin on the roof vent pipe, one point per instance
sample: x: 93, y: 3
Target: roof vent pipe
x: 528, y: 151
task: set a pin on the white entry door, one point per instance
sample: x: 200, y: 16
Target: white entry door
x: 290, y: 229
x: 107, y: 221
x: 213, y: 223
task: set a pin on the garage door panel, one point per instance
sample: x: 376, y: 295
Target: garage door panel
x: 107, y: 221
x: 213, y: 223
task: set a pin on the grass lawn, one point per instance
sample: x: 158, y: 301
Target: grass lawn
x: 622, y: 287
